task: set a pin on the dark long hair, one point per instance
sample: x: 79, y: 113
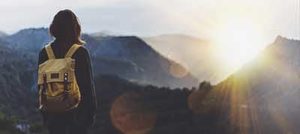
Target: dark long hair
x: 65, y: 28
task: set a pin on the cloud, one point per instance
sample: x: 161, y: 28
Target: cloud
x: 140, y: 17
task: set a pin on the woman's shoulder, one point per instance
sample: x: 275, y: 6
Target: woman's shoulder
x: 82, y: 51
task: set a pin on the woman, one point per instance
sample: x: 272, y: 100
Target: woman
x: 66, y: 30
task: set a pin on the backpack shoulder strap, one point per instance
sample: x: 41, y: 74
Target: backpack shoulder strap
x: 49, y: 52
x: 72, y: 50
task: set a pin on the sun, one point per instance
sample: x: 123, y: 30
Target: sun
x: 237, y: 40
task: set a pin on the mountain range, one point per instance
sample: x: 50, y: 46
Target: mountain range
x: 126, y: 56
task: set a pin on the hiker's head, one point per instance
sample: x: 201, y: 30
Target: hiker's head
x: 65, y: 27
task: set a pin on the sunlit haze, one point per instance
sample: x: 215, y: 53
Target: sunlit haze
x: 237, y: 41
x: 239, y: 28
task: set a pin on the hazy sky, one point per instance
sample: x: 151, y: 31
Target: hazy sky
x: 154, y: 17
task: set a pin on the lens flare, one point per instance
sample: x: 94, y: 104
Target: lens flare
x: 130, y: 115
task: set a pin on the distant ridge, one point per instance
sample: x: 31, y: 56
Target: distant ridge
x: 192, y: 52
x: 126, y: 56
x: 3, y: 34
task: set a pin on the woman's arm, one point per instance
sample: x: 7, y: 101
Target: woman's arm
x: 85, y: 80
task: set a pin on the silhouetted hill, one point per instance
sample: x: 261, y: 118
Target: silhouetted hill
x: 126, y: 107
x: 265, y: 93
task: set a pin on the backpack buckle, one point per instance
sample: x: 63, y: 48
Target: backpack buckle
x: 66, y: 79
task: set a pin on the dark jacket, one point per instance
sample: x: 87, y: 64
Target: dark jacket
x: 86, y: 110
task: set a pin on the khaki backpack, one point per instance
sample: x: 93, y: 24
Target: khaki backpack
x: 58, y: 88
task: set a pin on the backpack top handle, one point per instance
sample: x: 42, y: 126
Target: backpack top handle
x: 69, y: 54
x: 72, y: 50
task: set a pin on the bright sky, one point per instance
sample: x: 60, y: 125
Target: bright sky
x: 154, y: 17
